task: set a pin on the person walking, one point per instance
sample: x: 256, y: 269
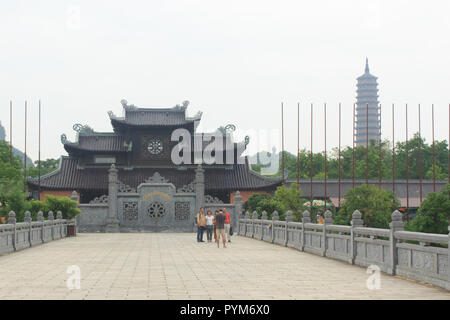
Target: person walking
x: 209, y: 225
x: 220, y: 228
x: 214, y: 225
x: 227, y: 224
x: 201, y: 224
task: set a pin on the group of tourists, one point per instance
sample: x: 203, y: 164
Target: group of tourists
x: 218, y: 225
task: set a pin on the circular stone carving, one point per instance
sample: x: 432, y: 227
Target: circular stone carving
x: 156, y: 210
x: 155, y: 146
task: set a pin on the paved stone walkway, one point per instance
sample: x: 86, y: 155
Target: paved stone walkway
x: 175, y: 266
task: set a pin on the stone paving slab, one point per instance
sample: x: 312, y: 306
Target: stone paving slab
x: 175, y: 266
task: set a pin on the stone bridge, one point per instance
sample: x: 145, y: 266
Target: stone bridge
x: 176, y: 266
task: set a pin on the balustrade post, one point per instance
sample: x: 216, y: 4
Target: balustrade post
x: 59, y: 217
x: 238, y: 209
x: 27, y: 219
x: 395, y: 225
x: 51, y: 219
x: 247, y: 217
x: 328, y: 220
x: 287, y: 220
x: 356, y: 222
x: 263, y: 218
x: 254, y: 223
x: 275, y: 217
x: 12, y: 220
x: 40, y: 218
x: 306, y: 219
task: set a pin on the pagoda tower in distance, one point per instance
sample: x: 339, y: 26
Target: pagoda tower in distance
x: 367, y: 122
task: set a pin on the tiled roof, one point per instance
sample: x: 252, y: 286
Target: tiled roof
x: 70, y: 177
x: 99, y: 142
x: 153, y: 117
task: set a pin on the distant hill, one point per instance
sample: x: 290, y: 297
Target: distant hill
x: 16, y: 152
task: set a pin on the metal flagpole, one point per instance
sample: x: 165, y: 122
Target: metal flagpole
x: 393, y: 150
x: 25, y: 154
x: 298, y: 145
x: 420, y: 160
x: 339, y: 160
x: 10, y: 134
x: 311, y: 161
x: 282, y: 146
x: 367, y: 144
x: 379, y: 157
x: 434, y: 152
x: 407, y: 164
x: 39, y: 154
x: 325, y: 153
x: 353, y: 149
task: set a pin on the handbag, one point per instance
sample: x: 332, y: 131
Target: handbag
x: 231, y: 230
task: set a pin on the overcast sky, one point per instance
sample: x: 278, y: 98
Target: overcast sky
x: 234, y: 60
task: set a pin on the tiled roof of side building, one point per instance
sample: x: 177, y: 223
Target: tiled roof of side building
x: 69, y: 176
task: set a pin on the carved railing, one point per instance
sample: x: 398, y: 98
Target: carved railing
x: 420, y: 256
x: 17, y: 236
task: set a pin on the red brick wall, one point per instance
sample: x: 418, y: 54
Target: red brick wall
x: 245, y: 195
x: 57, y: 193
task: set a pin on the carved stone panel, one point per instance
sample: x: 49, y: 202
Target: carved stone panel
x: 182, y: 211
x: 130, y: 210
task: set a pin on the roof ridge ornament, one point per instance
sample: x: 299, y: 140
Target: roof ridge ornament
x: 127, y: 106
x: 82, y: 129
x: 156, y: 178
x: 367, y: 65
x: 183, y: 106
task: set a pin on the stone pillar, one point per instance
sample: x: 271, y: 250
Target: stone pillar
x: 12, y: 220
x: 237, y: 210
x: 275, y: 217
x: 27, y: 219
x: 199, y: 188
x: 74, y: 196
x: 40, y: 218
x: 254, y: 223
x: 51, y: 218
x: 288, y: 219
x: 356, y: 222
x: 395, y: 225
x: 263, y: 218
x: 112, y: 223
x: 12, y: 217
x: 246, y: 217
x: 306, y: 219
x: 328, y: 220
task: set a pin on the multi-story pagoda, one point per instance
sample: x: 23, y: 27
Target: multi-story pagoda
x: 367, y: 126
x: 141, y: 146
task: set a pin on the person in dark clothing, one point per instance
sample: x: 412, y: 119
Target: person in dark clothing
x: 220, y: 228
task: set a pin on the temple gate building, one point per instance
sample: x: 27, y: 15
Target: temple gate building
x: 127, y: 180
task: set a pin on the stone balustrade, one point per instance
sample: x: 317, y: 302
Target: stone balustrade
x: 415, y: 255
x: 17, y: 236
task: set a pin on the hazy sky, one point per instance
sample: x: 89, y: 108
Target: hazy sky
x: 234, y: 60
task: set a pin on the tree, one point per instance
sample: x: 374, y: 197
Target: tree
x: 254, y: 200
x: 376, y: 206
x: 378, y: 153
x: 67, y: 206
x: 291, y: 200
x: 270, y: 206
x: 433, y: 215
